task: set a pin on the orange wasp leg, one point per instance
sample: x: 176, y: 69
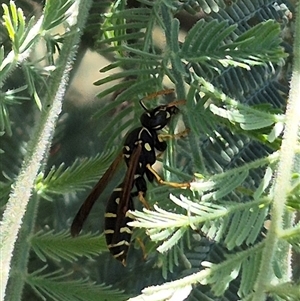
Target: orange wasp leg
x: 143, y: 200
x: 163, y: 182
x: 179, y: 135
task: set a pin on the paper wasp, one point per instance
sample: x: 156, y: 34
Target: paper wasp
x: 139, y: 154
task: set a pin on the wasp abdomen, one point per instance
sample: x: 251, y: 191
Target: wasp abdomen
x: 118, y: 235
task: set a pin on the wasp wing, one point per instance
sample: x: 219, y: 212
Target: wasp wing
x: 127, y: 184
x: 87, y: 205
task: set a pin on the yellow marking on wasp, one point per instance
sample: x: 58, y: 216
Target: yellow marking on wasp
x: 118, y: 244
x: 109, y: 231
x: 117, y: 201
x: 147, y: 147
x: 125, y: 230
x: 122, y: 253
x: 136, y: 176
x: 127, y: 148
x: 119, y: 254
x: 109, y: 214
x: 140, y: 134
x: 156, y: 127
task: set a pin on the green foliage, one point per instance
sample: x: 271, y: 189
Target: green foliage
x: 209, y: 242
x: 59, y: 246
x: 55, y: 287
x: 56, y: 12
x: 212, y: 42
x: 76, y: 177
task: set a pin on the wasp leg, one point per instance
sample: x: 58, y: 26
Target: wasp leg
x: 143, y: 200
x: 178, y: 102
x: 162, y: 182
x: 158, y: 93
x: 163, y: 137
x: 143, y: 248
x: 165, y: 92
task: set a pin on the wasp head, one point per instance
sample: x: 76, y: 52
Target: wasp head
x: 159, y: 117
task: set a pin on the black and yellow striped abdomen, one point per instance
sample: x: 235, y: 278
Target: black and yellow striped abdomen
x: 117, y: 232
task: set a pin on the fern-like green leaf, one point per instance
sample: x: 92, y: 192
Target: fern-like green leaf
x: 220, y: 185
x: 76, y: 177
x: 179, y: 294
x: 14, y: 21
x: 207, y: 41
x: 57, y: 286
x: 218, y: 276
x: 249, y: 273
x: 229, y: 269
x: 9, y: 98
x: 56, y: 13
x: 231, y: 223
x: 121, y: 27
x: 226, y: 66
x: 61, y: 245
x: 292, y: 235
x: 248, y: 118
x: 193, y: 7
x: 286, y: 291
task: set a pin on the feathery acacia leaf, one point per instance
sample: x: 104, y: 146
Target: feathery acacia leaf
x: 205, y: 42
x: 56, y: 13
x: 286, y: 291
x: 229, y: 66
x: 58, y: 287
x: 230, y: 223
x: 218, y: 276
x: 58, y: 246
x: 76, y: 177
x: 292, y: 236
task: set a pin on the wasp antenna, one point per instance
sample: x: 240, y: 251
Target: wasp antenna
x: 162, y: 92
x: 143, y: 105
x: 177, y: 103
x: 154, y: 95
